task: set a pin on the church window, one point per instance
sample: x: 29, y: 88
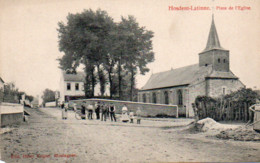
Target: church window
x: 154, y: 98
x: 224, y: 90
x: 218, y: 60
x: 144, y: 97
x: 166, y: 97
x: 180, y: 100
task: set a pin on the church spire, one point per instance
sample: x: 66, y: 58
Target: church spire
x: 213, y: 41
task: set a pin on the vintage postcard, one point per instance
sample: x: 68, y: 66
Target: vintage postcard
x: 129, y: 81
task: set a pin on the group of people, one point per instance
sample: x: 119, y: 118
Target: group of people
x: 106, y: 111
x: 103, y: 112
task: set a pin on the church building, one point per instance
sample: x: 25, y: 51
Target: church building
x: 210, y: 77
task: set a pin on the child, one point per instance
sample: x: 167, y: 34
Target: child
x: 138, y: 115
x: 125, y: 117
x: 131, y: 116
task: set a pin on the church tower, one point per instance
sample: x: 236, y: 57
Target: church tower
x: 214, y: 54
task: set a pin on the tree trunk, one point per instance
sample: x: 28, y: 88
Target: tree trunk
x: 132, y: 84
x: 119, y: 77
x: 101, y: 81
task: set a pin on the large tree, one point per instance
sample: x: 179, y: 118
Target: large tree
x: 107, y: 49
x: 135, y: 48
x: 82, y: 39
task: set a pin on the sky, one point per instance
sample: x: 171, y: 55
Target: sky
x: 29, y: 38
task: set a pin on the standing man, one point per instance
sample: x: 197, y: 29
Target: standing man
x: 97, y: 110
x: 90, y: 111
x: 83, y: 111
x: 112, y: 110
x: 104, y: 113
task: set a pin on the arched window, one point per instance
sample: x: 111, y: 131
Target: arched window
x: 224, y: 61
x: 219, y: 60
x: 166, y: 97
x: 154, y: 98
x: 180, y: 99
x: 144, y: 97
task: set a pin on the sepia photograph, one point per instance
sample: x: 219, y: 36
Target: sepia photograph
x: 129, y: 81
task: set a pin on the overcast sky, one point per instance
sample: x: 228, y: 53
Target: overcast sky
x: 29, y: 42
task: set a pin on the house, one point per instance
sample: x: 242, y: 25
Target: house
x: 210, y: 77
x: 72, y: 87
x: 1, y: 83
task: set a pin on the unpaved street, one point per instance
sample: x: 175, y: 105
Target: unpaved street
x: 47, y: 138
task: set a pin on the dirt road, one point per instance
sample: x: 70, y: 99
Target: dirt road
x: 47, y: 138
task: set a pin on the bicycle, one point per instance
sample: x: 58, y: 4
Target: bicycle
x: 79, y: 115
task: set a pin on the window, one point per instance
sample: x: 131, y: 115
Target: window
x: 218, y: 60
x: 206, y: 65
x: 224, y: 91
x: 224, y: 61
x: 166, y: 97
x: 68, y: 86
x: 180, y: 97
x: 144, y: 97
x: 154, y: 98
x: 77, y: 86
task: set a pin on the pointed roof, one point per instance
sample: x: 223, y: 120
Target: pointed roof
x: 213, y: 40
x: 2, y: 80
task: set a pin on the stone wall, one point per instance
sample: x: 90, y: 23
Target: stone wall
x: 147, y: 109
x: 194, y: 91
x: 11, y: 114
x: 215, y: 86
x: 172, y: 97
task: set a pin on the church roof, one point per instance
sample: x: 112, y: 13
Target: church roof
x: 213, y: 40
x: 176, y: 77
x: 185, y: 76
x: 79, y: 77
x: 221, y: 74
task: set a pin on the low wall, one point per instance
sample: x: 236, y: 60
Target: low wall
x: 10, y: 114
x: 50, y: 104
x: 147, y: 109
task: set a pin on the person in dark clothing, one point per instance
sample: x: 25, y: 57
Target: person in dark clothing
x: 83, y: 111
x: 104, y: 113
x: 97, y: 110
x: 112, y: 110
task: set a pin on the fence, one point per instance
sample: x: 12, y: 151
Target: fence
x: 147, y: 109
x: 225, y: 110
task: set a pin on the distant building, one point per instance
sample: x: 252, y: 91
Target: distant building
x: 211, y: 77
x: 1, y: 83
x: 72, y: 86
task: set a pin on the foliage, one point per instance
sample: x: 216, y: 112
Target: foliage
x: 12, y: 94
x: 48, y: 95
x: 108, y: 50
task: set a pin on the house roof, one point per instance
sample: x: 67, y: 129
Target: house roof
x: 176, y: 77
x: 79, y: 77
